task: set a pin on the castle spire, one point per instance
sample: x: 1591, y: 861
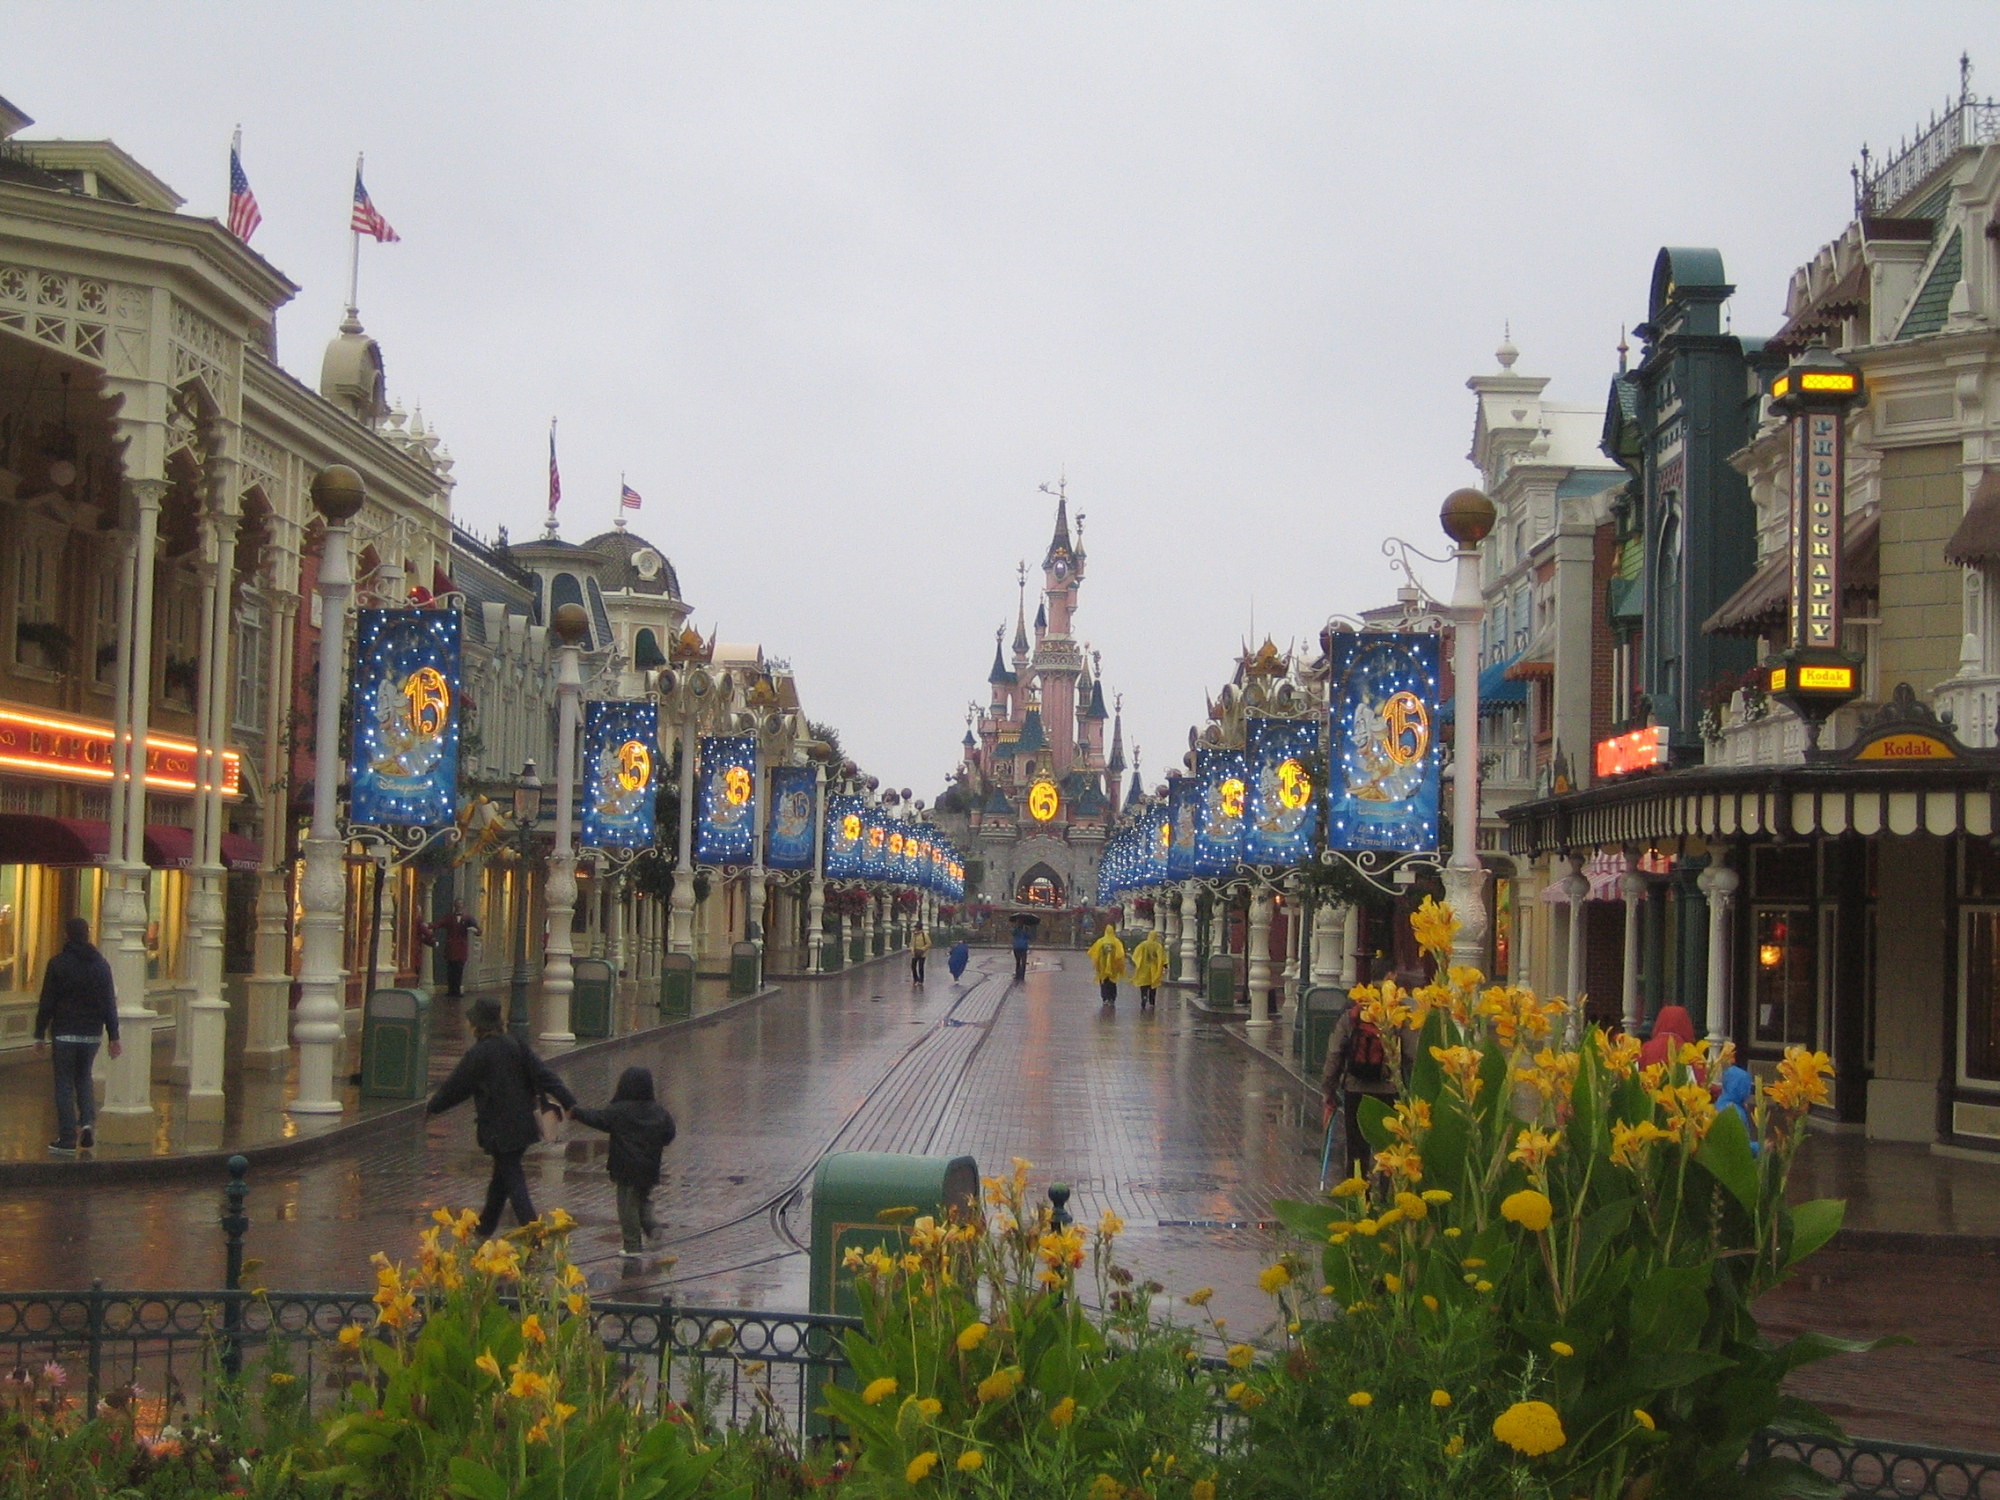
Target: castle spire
x: 999, y: 672
x: 1115, y: 762
x: 1021, y: 615
x: 1059, y: 544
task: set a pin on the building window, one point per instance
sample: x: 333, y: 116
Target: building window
x: 178, y: 654
x: 249, y: 651
x: 1979, y: 1050
x: 1784, y: 1008
x: 40, y: 642
x: 1668, y: 573
x: 105, y: 620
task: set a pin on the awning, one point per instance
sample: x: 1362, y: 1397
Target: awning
x: 1538, y: 660
x: 1495, y: 690
x: 1764, y: 604
x: 72, y: 843
x: 1977, y: 539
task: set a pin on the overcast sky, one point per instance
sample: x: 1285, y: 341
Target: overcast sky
x: 837, y: 287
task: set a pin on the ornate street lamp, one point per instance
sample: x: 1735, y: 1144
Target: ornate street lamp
x: 338, y: 494
x: 527, y: 813
x: 571, y: 624
x: 1467, y: 518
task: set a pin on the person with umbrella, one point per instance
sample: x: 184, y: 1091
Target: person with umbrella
x: 1021, y: 939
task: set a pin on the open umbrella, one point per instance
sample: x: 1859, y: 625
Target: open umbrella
x: 1026, y: 919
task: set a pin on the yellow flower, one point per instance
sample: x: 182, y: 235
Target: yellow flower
x: 539, y: 1433
x: 350, y: 1336
x: 1643, y: 1418
x: 1241, y: 1356
x: 1482, y: 1287
x: 1412, y: 1205
x: 1619, y: 1055
x: 1461, y: 1067
x: 1530, y: 1427
x: 970, y: 1461
x: 1393, y: 1282
x: 279, y: 1377
x: 1440, y: 1399
x: 877, y: 1390
x: 557, y: 1222
x: 1110, y: 1226
x: 1430, y: 1302
x: 1801, y: 1080
x: 1528, y: 1208
x: 531, y: 1329
x: 528, y: 1383
x: 1104, y: 1487
x: 1563, y: 1351
x: 1472, y: 1263
x: 920, y: 1468
x: 572, y: 1277
x: 997, y: 1387
x: 489, y: 1364
x: 1352, y: 1187
x: 1403, y: 1162
x: 970, y: 1337
x: 1063, y: 1412
x: 1453, y: 1233
x: 1361, y: 1398
x: 1455, y: 1446
x: 928, y: 1406
x: 1202, y: 1489
x: 1367, y: 1226
x: 1199, y: 1297
x: 576, y: 1302
x: 1274, y: 1279
x: 1435, y: 926
x: 564, y: 1411
x: 1629, y: 1142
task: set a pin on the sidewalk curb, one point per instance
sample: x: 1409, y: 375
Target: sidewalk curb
x: 306, y: 1148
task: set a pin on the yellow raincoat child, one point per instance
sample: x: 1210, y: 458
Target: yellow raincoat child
x: 1149, y: 964
x: 1107, y: 957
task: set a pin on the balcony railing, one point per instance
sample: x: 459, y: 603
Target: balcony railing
x: 1967, y: 123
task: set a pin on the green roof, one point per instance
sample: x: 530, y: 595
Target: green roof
x: 1927, y: 313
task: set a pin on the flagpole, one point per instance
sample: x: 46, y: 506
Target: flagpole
x: 619, y: 519
x: 354, y: 258
x: 235, y: 155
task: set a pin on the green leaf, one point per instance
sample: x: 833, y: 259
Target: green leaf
x: 1813, y: 1224
x: 1426, y: 1076
x: 1599, y: 1230
x: 1725, y: 1152
x: 476, y: 1481
x: 1374, y: 1112
x: 1669, y: 1308
x: 1313, y: 1220
x: 1666, y: 1372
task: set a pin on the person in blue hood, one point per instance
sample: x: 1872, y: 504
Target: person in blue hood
x: 961, y: 955
x: 1738, y: 1088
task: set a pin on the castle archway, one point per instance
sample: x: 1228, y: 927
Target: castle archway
x: 1040, y: 886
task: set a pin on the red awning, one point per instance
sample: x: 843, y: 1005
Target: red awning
x: 168, y: 847
x: 240, y: 852
x: 29, y: 839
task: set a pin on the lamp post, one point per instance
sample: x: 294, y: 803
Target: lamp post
x: 1467, y: 518
x: 338, y: 495
x: 527, y: 813
x: 558, y: 977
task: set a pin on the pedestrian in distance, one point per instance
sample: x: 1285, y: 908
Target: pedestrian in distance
x: 79, y: 1004
x: 456, y: 930
x: 1357, y: 1066
x: 1149, y: 965
x: 920, y: 949
x: 640, y: 1129
x: 506, y: 1083
x: 1673, y: 1030
x: 1020, y: 951
x: 961, y: 955
x: 1107, y: 959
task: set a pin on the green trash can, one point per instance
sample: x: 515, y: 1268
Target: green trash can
x: 857, y: 946
x: 676, y: 986
x: 1221, y: 991
x: 832, y: 955
x: 862, y: 1199
x: 396, y: 1045
x: 590, y: 1001
x: 1319, y: 1012
x: 745, y: 965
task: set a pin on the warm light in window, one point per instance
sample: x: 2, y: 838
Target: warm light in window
x: 1770, y: 955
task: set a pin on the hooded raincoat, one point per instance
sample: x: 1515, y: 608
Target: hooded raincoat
x: 1107, y: 958
x: 1149, y: 962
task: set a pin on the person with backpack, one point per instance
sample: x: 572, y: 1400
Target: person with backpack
x: 1357, y: 1066
x: 506, y: 1083
x: 920, y: 950
x: 640, y: 1129
x: 79, y: 1005
x: 1107, y: 960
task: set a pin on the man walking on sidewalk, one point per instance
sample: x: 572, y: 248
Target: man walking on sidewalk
x: 456, y: 930
x: 79, y: 1004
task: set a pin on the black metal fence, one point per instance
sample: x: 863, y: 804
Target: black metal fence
x: 1868, y: 1469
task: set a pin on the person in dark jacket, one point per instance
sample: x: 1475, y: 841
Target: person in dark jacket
x: 503, y: 1078
x: 1021, y: 941
x: 640, y: 1129
x: 79, y: 1003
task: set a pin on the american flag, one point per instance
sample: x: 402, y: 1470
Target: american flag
x: 243, y: 215
x: 367, y: 220
x: 555, y: 474
x: 628, y: 498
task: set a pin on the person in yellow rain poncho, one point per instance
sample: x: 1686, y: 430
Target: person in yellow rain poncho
x: 1107, y: 957
x: 1149, y: 965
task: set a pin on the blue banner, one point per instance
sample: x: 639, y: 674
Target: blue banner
x: 404, y: 768
x: 725, y: 832
x: 621, y: 773
x: 1218, y: 825
x: 874, y: 844
x: 1383, y: 770
x: 789, y: 836
x: 1158, y: 833
x: 1283, y: 812
x: 846, y: 837
x: 1183, y: 812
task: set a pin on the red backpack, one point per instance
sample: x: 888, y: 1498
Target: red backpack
x: 1367, y: 1062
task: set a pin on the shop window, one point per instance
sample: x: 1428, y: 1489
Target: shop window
x: 1784, y: 998
x: 1979, y: 1014
x: 1783, y: 872
x: 179, y: 654
x: 10, y: 927
x: 249, y: 649
x: 1979, y: 870
x: 105, y: 621
x: 40, y: 642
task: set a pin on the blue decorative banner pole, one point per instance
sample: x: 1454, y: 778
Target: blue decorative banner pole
x: 1467, y: 518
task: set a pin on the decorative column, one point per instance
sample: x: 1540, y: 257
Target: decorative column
x: 127, y: 1115
x: 208, y: 1011
x: 816, y: 898
x: 615, y: 945
x: 1190, y: 932
x: 1327, y: 928
x: 1351, y: 970
x: 1467, y: 518
x: 753, y: 892
x: 320, y: 1027
x: 680, y: 920
x: 269, y: 989
x: 1167, y: 901
x: 1259, y: 946
x: 1294, y: 981
x: 559, y: 896
x: 1632, y: 887
x: 1718, y: 883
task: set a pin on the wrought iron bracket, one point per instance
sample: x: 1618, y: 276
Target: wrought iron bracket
x: 404, y: 843
x: 1389, y: 871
